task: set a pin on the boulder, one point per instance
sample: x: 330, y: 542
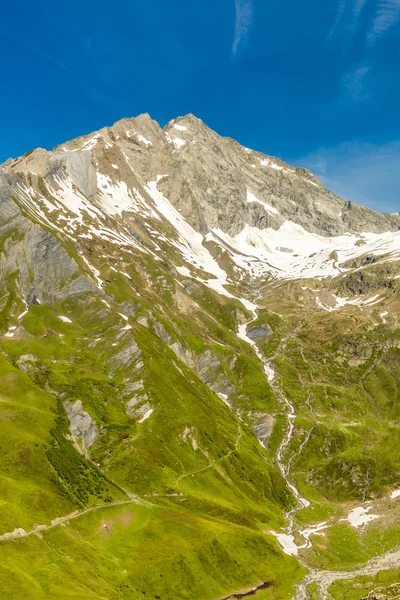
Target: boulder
x: 259, y: 332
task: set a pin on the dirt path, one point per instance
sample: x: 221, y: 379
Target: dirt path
x: 21, y: 533
x: 216, y: 460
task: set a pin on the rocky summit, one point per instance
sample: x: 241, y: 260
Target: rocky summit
x: 199, y: 374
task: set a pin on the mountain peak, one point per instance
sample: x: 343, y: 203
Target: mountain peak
x: 214, y: 182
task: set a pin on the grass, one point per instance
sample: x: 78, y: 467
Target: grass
x: 345, y: 547
x: 215, y: 493
x: 232, y: 489
x: 361, y: 586
x: 29, y: 494
x: 135, y: 552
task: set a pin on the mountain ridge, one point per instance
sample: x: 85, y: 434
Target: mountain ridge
x: 123, y: 129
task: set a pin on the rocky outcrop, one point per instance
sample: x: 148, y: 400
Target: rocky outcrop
x: 27, y: 363
x: 207, y: 365
x: 81, y: 423
x: 191, y: 286
x: 126, y: 355
x: 258, y: 333
x: 262, y: 425
x: 369, y: 280
x: 391, y: 592
x: 45, y: 269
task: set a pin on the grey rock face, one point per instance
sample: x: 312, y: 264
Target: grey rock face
x: 221, y: 385
x: 263, y: 425
x: 81, y: 423
x: 46, y: 270
x: 210, y: 177
x: 183, y: 354
x: 126, y: 356
x: 142, y: 412
x: 81, y: 171
x: 261, y: 332
x: 207, y: 364
x: 161, y: 332
x: 27, y: 363
x: 191, y: 286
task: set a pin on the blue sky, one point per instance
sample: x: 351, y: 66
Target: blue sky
x: 314, y: 83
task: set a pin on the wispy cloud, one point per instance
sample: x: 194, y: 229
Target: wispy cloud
x: 364, y: 173
x: 340, y: 12
x: 47, y: 57
x: 356, y: 83
x: 358, y: 24
x: 346, y: 22
x: 244, y: 18
x: 387, y: 14
x: 358, y: 7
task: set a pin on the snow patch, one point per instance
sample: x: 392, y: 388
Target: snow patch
x: 287, y: 543
x: 91, y: 142
x: 189, y: 242
x: 359, y: 516
x: 183, y: 271
x: 115, y: 198
x: 266, y: 162
x: 142, y: 139
x: 291, y: 252
x: 180, y: 127
x: 146, y: 415
x: 252, y: 198
x: 65, y: 319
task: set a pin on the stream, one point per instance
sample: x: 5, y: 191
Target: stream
x: 285, y: 539
x: 323, y: 578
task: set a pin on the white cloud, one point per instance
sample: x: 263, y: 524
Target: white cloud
x: 364, y: 173
x: 244, y: 18
x: 387, y: 14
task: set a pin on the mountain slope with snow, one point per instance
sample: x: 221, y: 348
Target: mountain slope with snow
x: 198, y: 341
